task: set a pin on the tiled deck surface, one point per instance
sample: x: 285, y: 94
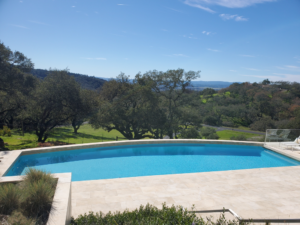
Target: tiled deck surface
x: 254, y: 193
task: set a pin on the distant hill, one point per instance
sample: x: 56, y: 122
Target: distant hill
x: 217, y: 85
x: 92, y: 83
x: 85, y: 81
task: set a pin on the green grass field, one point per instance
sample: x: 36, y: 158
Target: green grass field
x: 226, y: 134
x: 86, y: 134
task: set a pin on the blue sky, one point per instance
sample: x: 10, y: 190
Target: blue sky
x: 227, y: 40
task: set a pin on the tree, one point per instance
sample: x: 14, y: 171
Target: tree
x: 128, y: 107
x: 170, y: 87
x: 15, y: 83
x: 84, y: 108
x: 52, y: 103
x: 263, y: 124
x: 265, y: 82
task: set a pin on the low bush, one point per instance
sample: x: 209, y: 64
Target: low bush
x: 33, y: 175
x: 191, y: 133
x: 149, y: 214
x: 9, y: 198
x: 38, y: 199
x: 239, y: 137
x: 5, y: 131
x: 213, y: 136
x: 144, y: 215
x: 206, y: 131
x: 30, y: 201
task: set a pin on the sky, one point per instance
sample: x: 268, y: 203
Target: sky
x: 227, y: 40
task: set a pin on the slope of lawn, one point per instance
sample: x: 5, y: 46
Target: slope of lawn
x: 226, y: 134
x: 86, y: 134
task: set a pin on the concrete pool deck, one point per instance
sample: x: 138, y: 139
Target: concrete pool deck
x: 253, y: 193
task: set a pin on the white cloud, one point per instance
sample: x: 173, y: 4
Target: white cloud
x: 196, y: 5
x: 120, y: 4
x: 177, y: 55
x: 297, y: 58
x: 164, y: 30
x: 176, y: 10
x: 251, y: 56
x: 206, y: 32
x: 213, y: 50
x: 23, y: 27
x: 202, y: 4
x: 233, y: 17
x: 73, y: 6
x: 289, y: 68
x: 95, y: 58
x: 252, y: 69
x: 277, y: 77
x: 180, y: 55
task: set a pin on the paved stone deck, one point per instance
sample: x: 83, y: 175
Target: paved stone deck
x: 253, y: 193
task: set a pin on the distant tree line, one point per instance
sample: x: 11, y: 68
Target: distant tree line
x: 260, y: 106
x: 151, y: 105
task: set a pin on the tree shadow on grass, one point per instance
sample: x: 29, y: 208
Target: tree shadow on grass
x: 67, y: 133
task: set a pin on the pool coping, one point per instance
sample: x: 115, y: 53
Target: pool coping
x: 61, y: 207
x: 10, y: 157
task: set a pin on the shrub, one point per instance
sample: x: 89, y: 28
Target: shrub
x: 213, y: 136
x: 263, y: 124
x: 33, y: 175
x: 144, y: 215
x: 17, y: 218
x: 38, y: 199
x: 190, y: 134
x: 229, y: 124
x: 240, y: 137
x: 9, y: 198
x: 6, y: 130
x: 9, y: 133
x: 1, y: 133
x: 207, y: 131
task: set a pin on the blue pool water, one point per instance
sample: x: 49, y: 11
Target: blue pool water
x: 145, y: 160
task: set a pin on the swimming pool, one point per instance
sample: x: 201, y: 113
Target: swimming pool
x: 152, y: 159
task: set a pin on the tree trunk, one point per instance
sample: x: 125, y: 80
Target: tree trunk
x: 76, y: 128
x: 170, y: 134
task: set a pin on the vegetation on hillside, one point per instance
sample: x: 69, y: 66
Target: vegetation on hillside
x: 151, y: 105
x: 85, y: 81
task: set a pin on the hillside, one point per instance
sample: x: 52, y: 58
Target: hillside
x: 85, y: 81
x: 201, y: 85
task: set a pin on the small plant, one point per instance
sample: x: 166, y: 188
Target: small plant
x: 9, y: 198
x: 213, y: 136
x: 239, y: 137
x: 5, y: 131
x: 17, y: 218
x: 33, y: 175
x: 1, y: 133
x: 38, y: 199
x: 144, y: 215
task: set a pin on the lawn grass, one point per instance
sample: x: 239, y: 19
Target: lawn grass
x: 86, y: 134
x: 226, y: 134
